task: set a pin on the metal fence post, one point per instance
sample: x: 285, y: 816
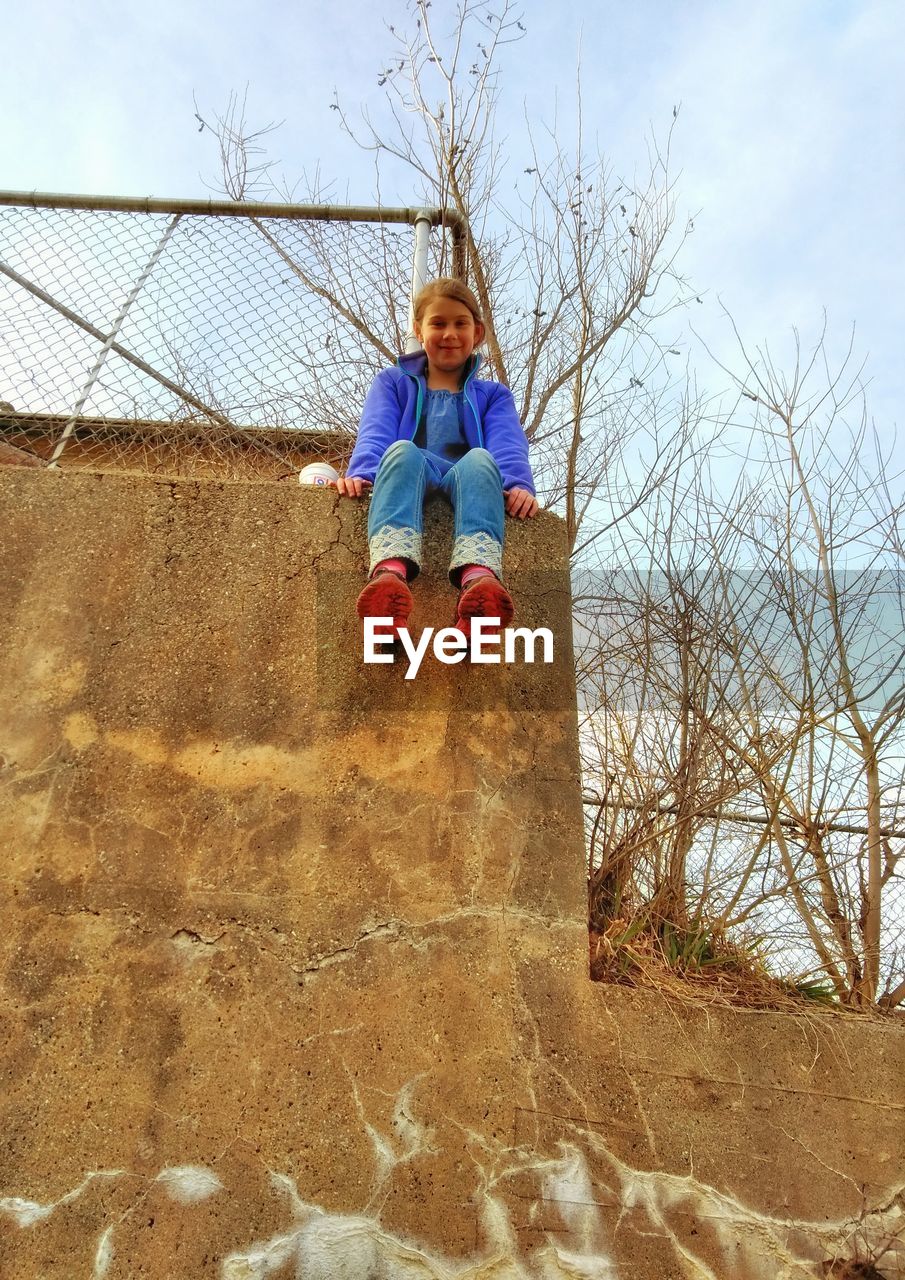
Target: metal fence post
x: 423, y: 221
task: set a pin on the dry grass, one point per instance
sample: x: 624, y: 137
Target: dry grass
x: 703, y: 967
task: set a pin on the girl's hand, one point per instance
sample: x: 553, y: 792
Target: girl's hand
x: 351, y: 486
x: 520, y: 503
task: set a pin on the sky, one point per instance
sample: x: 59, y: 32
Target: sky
x: 788, y: 147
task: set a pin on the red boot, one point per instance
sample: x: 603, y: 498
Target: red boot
x: 386, y: 596
x: 484, y: 598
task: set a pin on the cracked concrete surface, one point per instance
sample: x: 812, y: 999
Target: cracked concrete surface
x: 294, y: 966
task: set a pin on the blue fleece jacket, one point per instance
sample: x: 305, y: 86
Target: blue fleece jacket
x: 395, y: 402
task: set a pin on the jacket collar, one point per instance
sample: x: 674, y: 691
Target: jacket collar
x: 414, y: 363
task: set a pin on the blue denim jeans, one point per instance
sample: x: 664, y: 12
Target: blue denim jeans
x: 474, y: 487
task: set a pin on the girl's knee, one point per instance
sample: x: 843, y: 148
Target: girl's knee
x: 480, y: 460
x: 400, y: 453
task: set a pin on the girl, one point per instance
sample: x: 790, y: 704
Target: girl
x: 429, y: 426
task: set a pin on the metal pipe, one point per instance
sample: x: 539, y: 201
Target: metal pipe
x: 237, y: 208
x: 102, y: 355
x: 419, y: 273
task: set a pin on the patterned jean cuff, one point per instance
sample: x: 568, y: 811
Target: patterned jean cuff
x: 477, y: 548
x: 394, y: 544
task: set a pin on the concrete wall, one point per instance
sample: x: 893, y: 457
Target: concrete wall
x: 294, y: 957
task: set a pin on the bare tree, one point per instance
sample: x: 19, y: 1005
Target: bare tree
x: 843, y: 603
x: 749, y: 723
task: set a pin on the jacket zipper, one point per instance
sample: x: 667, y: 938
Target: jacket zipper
x: 419, y: 401
x: 473, y: 407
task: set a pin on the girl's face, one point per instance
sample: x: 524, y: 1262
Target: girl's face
x: 449, y: 334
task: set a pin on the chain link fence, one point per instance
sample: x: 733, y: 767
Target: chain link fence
x: 196, y: 338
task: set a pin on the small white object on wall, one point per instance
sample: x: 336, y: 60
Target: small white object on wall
x: 318, y: 473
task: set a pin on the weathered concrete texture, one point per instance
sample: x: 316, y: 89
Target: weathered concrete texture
x: 294, y: 960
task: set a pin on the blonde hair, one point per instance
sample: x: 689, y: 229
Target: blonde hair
x: 446, y: 287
